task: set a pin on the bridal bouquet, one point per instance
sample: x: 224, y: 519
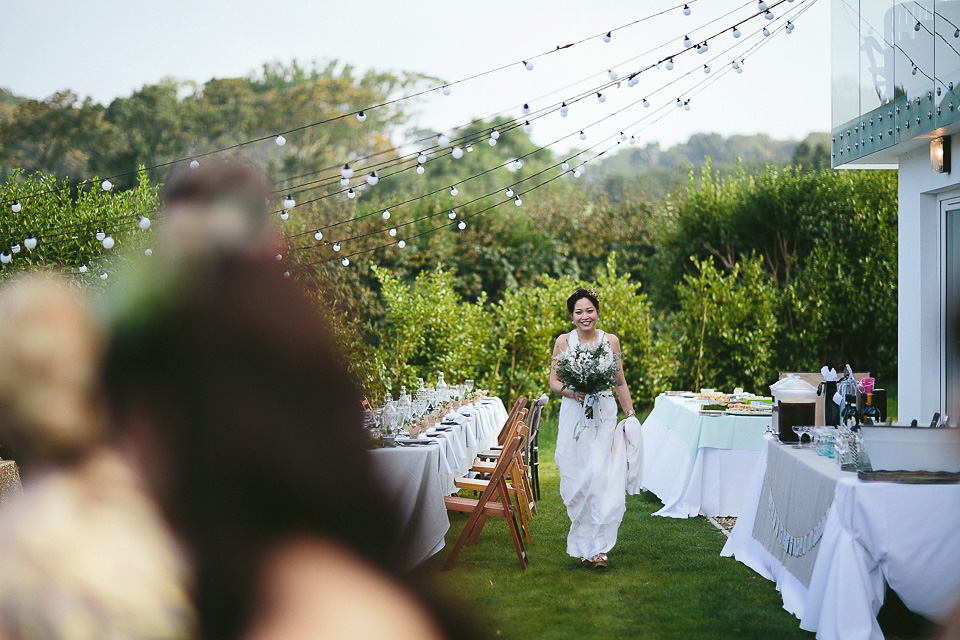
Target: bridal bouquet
x: 588, y: 371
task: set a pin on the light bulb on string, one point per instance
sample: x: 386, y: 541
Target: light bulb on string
x: 5, y: 257
x: 623, y: 136
x: 564, y: 165
x: 401, y: 244
x: 284, y: 215
x: 443, y: 140
x: 633, y: 140
x: 706, y: 69
x: 386, y: 214
x: 351, y: 193
x: 735, y: 65
x: 30, y: 242
x: 564, y: 109
x: 108, y: 242
x: 286, y: 274
x: 768, y: 15
x: 528, y: 65
x: 344, y: 182
x: 916, y: 27
x: 393, y: 232
x: 446, y: 90
x: 457, y: 153
x: 789, y: 28
x: 452, y: 214
x: 646, y: 102
x: 704, y: 47
x: 16, y: 207
x: 669, y: 64
x: 525, y: 109
x: 612, y: 74
x: 106, y: 185
x: 739, y: 70
x: 766, y: 32
x: 576, y: 173
x: 361, y: 116
x: 194, y: 164
x: 143, y: 222
x: 608, y: 36
x: 148, y: 252
x: 736, y: 32
x: 518, y: 201
x: 518, y: 164
x: 279, y: 257
x: 15, y: 247
x: 346, y: 172
x: 469, y: 148
x: 527, y: 127
x: 583, y: 136
x: 336, y: 246
x: 83, y: 268
x: 601, y: 97
x: 679, y: 103
x: 421, y: 158
x: 686, y: 105
x: 280, y: 140
x: 100, y: 235
x: 509, y: 192
x: 373, y: 178
x: 761, y: 5
x: 686, y: 10
x: 461, y: 225
x: 420, y: 169
x: 495, y: 134
x: 345, y: 262
x: 104, y: 276
x: 492, y: 142
x: 914, y: 70
x: 687, y: 42
x: 318, y: 236
x: 289, y: 202
x: 956, y: 34
x: 454, y: 191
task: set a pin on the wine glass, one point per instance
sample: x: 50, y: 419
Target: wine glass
x: 468, y: 383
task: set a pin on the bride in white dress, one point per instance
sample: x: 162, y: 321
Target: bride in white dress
x: 593, y: 472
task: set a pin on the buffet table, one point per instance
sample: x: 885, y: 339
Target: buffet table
x: 416, y: 477
x: 832, y: 543
x: 699, y: 464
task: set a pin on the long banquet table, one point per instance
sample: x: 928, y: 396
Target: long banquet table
x: 832, y: 543
x: 699, y: 464
x: 417, y: 477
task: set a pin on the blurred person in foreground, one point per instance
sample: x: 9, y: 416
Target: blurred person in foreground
x: 83, y: 552
x: 224, y: 379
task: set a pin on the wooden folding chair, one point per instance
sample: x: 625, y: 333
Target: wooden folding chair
x: 518, y: 485
x: 486, y: 506
x: 507, y: 431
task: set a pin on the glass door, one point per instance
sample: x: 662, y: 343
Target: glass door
x: 950, y: 321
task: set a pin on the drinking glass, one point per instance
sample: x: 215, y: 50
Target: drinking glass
x: 468, y: 383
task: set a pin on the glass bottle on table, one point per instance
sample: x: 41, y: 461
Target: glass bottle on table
x: 848, y: 412
x: 870, y: 414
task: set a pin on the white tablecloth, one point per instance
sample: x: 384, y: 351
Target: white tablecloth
x: 417, y: 477
x: 873, y: 534
x: 699, y: 464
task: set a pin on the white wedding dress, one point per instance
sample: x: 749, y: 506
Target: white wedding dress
x: 593, y: 473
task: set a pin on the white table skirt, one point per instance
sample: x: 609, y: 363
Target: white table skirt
x: 715, y: 480
x: 907, y: 536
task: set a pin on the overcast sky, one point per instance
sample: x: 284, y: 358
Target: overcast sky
x: 108, y: 49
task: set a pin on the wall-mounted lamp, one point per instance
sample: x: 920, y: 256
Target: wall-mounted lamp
x: 940, y: 154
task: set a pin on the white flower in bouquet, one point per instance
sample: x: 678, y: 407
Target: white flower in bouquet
x: 588, y: 371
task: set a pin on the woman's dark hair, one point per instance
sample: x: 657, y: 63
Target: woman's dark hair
x: 258, y: 426
x: 578, y: 295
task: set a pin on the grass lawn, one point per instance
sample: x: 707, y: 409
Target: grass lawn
x: 666, y: 578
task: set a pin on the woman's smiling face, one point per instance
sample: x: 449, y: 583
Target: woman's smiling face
x: 584, y: 314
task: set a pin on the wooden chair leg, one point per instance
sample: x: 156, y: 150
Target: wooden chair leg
x: 476, y: 531
x: 514, y: 528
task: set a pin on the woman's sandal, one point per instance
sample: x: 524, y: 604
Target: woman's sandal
x: 600, y: 561
x: 586, y: 563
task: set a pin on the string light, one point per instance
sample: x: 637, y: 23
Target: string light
x: 633, y: 140
x: 452, y: 214
x: 83, y: 268
x: 16, y: 206
x: 518, y: 164
x: 766, y: 32
x: 446, y: 90
x: 525, y: 109
x: 5, y: 257
x: 736, y: 32
x: 421, y: 158
x: 564, y: 110
x: 495, y: 134
x: 361, y: 116
x: 106, y: 185
x: 318, y: 235
x: 104, y: 276
x: 789, y: 28
x: 612, y: 74
x: 420, y: 169
x: 194, y: 164
x: 669, y: 64
x: 148, y: 252
x: 564, y: 166
x: 373, y: 178
x: 583, y: 136
x: 443, y: 140
x: 706, y: 69
x: 462, y: 225
x: 100, y: 235
x: 528, y: 65
x: 336, y: 246
x: 143, y: 222
x: 609, y: 36
x: 284, y: 215
x: 386, y: 214
x: 454, y: 191
x: 527, y: 127
x: 30, y: 242
x: 351, y: 193
x: 344, y: 182
x: 768, y: 15
x: 469, y: 148
x: 576, y: 173
x: 492, y: 142
x: 761, y: 5
x: 601, y: 97
x: 346, y: 173
x: 687, y: 42
x: 703, y: 48
x: 623, y: 136
x: 686, y: 10
x: 518, y: 201
x: 393, y: 232
x: 280, y: 140
x: 345, y: 262
x: 279, y: 257
x: 401, y: 244
x: 289, y: 202
x: 509, y: 192
x: 646, y: 103
x: 15, y: 248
